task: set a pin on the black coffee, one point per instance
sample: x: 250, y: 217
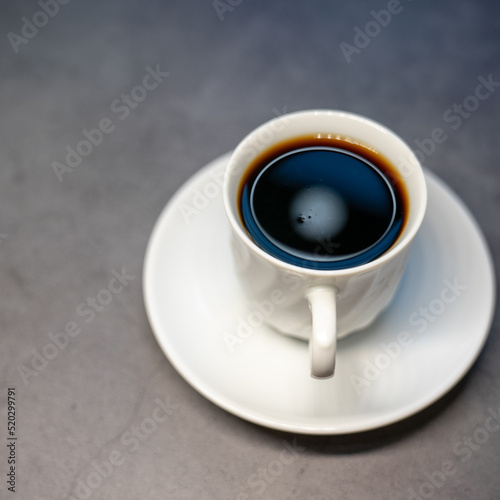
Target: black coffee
x: 323, y: 203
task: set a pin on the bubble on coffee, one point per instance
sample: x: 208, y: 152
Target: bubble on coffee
x: 318, y: 212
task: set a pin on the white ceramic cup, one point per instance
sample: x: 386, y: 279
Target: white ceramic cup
x: 317, y: 305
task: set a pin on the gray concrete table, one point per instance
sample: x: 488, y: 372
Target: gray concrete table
x: 106, y: 109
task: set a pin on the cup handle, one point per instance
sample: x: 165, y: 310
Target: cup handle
x: 323, y: 342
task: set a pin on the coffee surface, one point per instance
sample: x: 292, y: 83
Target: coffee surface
x: 321, y: 206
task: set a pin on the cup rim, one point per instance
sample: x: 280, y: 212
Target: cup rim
x: 401, y: 243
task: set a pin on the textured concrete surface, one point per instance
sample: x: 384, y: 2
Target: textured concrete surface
x: 231, y: 64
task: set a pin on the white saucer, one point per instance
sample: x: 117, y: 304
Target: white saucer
x: 193, y: 301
